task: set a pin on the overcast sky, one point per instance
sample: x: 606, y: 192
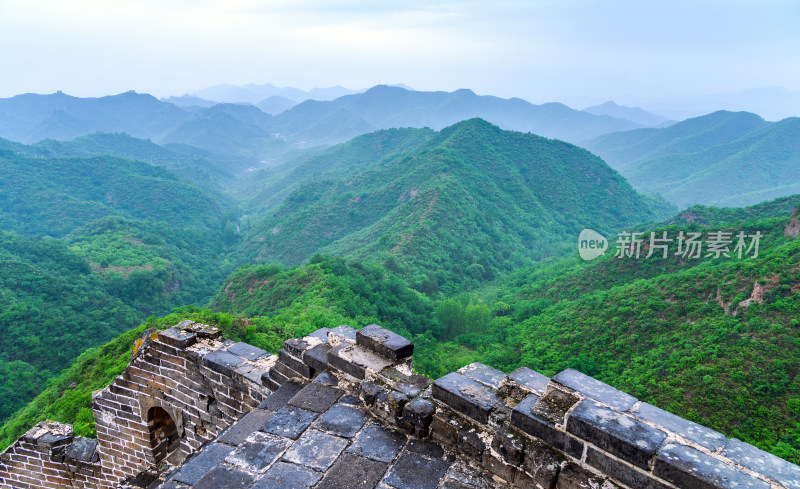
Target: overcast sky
x: 540, y: 50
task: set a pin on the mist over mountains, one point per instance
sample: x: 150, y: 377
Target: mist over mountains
x: 30, y: 118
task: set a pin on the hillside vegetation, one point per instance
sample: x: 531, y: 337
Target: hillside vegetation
x: 448, y: 210
x: 724, y: 159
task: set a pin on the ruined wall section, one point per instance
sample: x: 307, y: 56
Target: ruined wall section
x: 182, y: 388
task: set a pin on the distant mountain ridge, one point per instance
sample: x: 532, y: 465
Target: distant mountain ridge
x: 236, y: 128
x: 724, y: 159
x: 635, y: 114
x: 253, y: 93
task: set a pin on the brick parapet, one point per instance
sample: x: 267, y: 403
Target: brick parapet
x: 523, y: 428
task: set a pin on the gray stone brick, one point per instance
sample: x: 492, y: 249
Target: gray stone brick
x: 316, y: 397
x: 410, y: 385
x: 211, y: 455
x: 248, y: 352
x: 419, y: 412
x: 291, y: 373
x: 425, y: 447
x: 509, y: 445
x: 416, y: 471
x: 298, y: 346
x: 465, y: 396
x: 342, y: 420
x: 226, y: 477
x: 353, y: 472
x: 289, y: 422
x: 378, y: 443
x: 82, y: 450
x: 542, y: 463
x: 762, y: 462
x: 686, y: 467
x: 295, y: 364
x: 281, y: 397
x: 317, y: 357
x: 250, y: 422
x: 284, y: 475
x: 530, y: 380
x: 706, y: 437
x: 316, y: 450
x: 369, y: 391
x: 268, y: 381
x: 177, y: 337
x: 222, y: 362
x: 355, y: 360
x: 343, y: 333
x: 327, y: 378
x: 595, y: 389
x: 523, y: 419
x: 617, y: 433
x: 470, y: 444
x: 484, y: 374
x: 572, y: 476
x: 622, y: 472
x: 384, y: 342
x: 391, y: 403
x: 258, y: 452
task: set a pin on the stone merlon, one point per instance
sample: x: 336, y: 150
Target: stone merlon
x: 342, y: 408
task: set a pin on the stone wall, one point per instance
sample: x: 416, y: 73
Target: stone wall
x: 185, y: 385
x: 201, y: 382
x: 528, y: 430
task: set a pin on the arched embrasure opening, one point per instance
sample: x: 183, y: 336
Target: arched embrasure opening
x: 164, y: 438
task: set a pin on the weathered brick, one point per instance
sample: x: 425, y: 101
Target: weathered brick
x: 177, y: 338
x: 686, y: 467
x: 621, y: 471
x: 538, y: 426
x: 465, y: 395
x: 483, y: 374
x: 384, y: 342
x: 595, y: 389
x: 617, y: 433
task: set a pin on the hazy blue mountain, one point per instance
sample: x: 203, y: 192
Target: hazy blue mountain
x: 772, y: 103
x: 625, y: 148
x: 31, y: 117
x: 635, y: 114
x: 275, y: 104
x: 189, y: 101
x: 384, y: 107
x: 723, y: 159
x: 252, y: 93
x: 232, y: 129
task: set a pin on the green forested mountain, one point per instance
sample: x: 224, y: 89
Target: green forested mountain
x: 447, y: 209
x: 206, y: 168
x: 31, y: 117
x: 713, y: 340
x: 52, y: 196
x: 724, y: 158
x: 122, y: 240
x: 51, y: 308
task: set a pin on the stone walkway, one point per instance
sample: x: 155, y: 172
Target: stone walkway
x: 316, y: 435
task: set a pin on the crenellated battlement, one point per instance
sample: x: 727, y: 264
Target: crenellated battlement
x: 195, y: 410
